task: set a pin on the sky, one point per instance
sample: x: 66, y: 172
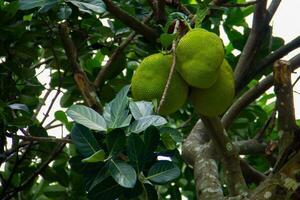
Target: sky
x: 284, y: 25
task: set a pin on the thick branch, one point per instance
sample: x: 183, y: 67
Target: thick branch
x: 285, y: 107
x: 252, y: 44
x: 253, y: 94
x: 229, y: 155
x: 149, y: 33
x: 86, y: 88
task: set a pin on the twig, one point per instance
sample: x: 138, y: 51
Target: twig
x: 41, y: 139
x: 269, y: 123
x: 158, y: 7
x: 172, y: 69
x: 86, y: 88
x: 53, y: 126
x: 229, y: 155
x: 38, y: 109
x: 43, y: 166
x: 149, y: 33
x: 101, y: 76
x: 50, y: 106
x: 45, y: 61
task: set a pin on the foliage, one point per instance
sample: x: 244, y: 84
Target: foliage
x: 127, y: 151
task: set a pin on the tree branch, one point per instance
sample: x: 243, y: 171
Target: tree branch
x: 149, y: 33
x: 252, y: 44
x: 86, y: 88
x: 101, y: 76
x: 229, y: 155
x: 253, y: 94
x: 41, y: 139
x: 158, y: 7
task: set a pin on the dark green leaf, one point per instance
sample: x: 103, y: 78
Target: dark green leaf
x: 42, y: 4
x: 89, y: 6
x: 84, y: 140
x: 107, y: 190
x: 162, y: 172
x: 115, y: 141
x: 166, y: 39
x: 123, y: 173
x: 135, y: 151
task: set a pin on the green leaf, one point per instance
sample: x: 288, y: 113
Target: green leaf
x: 89, y: 6
x: 123, y: 173
x: 140, y: 109
x: 61, y: 116
x: 116, y: 113
x: 84, y: 140
x: 135, y: 151
x: 200, y: 15
x: 44, y: 5
x: 115, y: 141
x: 87, y: 117
x: 19, y: 106
x: 64, y: 12
x: 100, y: 177
x: 107, y: 190
x: 143, y: 123
x: 166, y: 39
x: 170, y: 137
x: 96, y: 157
x: 163, y: 171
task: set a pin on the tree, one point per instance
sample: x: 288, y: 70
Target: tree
x: 120, y: 148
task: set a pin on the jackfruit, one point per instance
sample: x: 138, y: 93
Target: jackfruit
x: 215, y: 100
x: 200, y: 54
x: 149, y: 81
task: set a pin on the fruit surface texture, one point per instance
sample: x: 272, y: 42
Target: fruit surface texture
x: 200, y: 54
x: 149, y: 81
x: 215, y: 100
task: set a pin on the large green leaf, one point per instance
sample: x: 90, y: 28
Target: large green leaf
x: 84, y: 140
x: 144, y: 122
x: 135, y: 151
x: 163, y: 171
x: 87, y: 117
x: 140, y: 109
x: 115, y: 141
x: 116, y: 113
x: 89, y: 6
x: 123, y: 173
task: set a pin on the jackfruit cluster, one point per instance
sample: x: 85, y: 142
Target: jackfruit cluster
x: 200, y: 68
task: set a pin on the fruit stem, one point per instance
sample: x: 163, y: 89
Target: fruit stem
x: 174, y: 44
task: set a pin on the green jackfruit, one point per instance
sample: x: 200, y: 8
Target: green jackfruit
x: 149, y: 81
x: 200, y: 54
x: 215, y: 100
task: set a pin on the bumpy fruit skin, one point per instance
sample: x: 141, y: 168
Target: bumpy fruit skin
x: 149, y: 80
x: 215, y: 100
x: 200, y: 54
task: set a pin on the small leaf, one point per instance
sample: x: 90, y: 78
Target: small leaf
x: 89, y: 6
x: 61, y: 116
x: 87, y: 117
x: 123, y: 173
x: 64, y: 12
x: 19, y: 106
x: 163, y: 171
x: 167, y: 39
x: 144, y: 122
x: 84, y: 140
x: 116, y: 113
x: 44, y: 5
x: 96, y: 157
x: 140, y: 109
